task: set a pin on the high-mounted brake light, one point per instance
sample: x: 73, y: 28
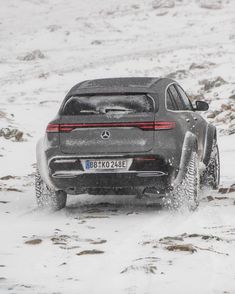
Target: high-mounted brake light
x: 146, y: 126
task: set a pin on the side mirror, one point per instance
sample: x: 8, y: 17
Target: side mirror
x: 201, y: 106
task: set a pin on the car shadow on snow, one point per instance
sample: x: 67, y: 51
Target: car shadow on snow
x: 123, y: 204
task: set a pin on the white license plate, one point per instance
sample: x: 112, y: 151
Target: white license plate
x: 105, y: 164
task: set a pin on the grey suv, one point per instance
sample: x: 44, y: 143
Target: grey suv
x: 127, y: 136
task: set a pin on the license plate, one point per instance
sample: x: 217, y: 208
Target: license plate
x: 105, y: 164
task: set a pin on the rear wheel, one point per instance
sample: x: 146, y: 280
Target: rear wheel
x: 47, y: 197
x: 211, y: 176
x: 186, y: 193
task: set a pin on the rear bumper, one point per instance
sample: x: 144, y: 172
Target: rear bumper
x: 133, y: 180
x: 69, y: 174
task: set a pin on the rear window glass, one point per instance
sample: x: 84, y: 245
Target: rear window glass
x: 108, y: 105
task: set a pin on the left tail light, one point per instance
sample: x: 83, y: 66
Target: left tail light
x: 53, y: 128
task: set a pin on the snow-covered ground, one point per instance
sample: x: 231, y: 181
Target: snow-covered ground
x: 131, y: 241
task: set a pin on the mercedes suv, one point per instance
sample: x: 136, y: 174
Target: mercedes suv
x: 127, y: 136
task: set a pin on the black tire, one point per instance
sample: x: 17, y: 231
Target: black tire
x: 47, y: 197
x: 186, y: 194
x: 211, y: 175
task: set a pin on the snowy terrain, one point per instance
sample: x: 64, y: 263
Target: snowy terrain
x: 107, y: 244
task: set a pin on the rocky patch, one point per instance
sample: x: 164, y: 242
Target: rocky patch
x: 13, y: 134
x: 33, y: 242
x: 182, y: 237
x: 178, y: 74
x: 35, y: 54
x: 90, y: 252
x: 156, y: 4
x: 8, y: 177
x: 205, y: 65
x: 144, y: 264
x: 211, y: 4
x: 53, y: 28
x: 182, y: 247
x: 10, y: 189
x: 181, y: 243
x: 224, y: 190
x: 212, y: 83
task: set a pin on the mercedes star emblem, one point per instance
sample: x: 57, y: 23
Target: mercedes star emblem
x: 105, y: 135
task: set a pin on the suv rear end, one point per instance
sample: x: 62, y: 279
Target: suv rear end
x: 107, y: 141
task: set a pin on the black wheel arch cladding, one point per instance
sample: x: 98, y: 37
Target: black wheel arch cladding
x: 211, y: 136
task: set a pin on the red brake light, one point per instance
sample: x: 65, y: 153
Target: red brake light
x: 158, y: 125
x: 66, y: 128
x: 146, y: 126
x: 164, y: 125
x: 53, y: 128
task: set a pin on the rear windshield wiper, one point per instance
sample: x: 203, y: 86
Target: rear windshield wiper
x: 107, y: 110
x: 89, y: 111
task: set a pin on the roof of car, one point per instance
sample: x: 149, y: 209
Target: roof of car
x: 115, y: 85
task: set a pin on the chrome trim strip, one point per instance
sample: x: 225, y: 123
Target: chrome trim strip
x: 73, y: 174
x: 65, y: 160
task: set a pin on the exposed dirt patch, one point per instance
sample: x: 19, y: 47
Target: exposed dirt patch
x: 90, y: 252
x: 14, y: 134
x: 144, y: 264
x: 98, y: 242
x: 148, y: 269
x: 182, y: 247
x: 33, y: 242
x: 8, y: 177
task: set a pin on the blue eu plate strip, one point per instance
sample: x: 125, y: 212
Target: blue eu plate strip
x: 87, y: 164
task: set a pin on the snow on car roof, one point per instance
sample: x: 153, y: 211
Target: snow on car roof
x: 119, y: 82
x: 117, y: 85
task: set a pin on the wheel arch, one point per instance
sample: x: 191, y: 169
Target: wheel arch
x: 211, y: 135
x: 190, y: 143
x: 42, y: 165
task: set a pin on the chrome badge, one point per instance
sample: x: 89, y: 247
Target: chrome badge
x: 105, y: 135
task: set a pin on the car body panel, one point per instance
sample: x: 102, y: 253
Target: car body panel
x: 89, y: 139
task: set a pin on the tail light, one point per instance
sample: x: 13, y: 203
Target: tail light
x: 157, y: 125
x: 146, y: 126
x: 164, y: 125
x: 53, y: 128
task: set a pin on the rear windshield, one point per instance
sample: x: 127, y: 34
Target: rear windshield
x: 108, y: 105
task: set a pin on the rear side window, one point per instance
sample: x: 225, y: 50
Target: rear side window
x: 185, y: 98
x: 108, y: 104
x: 170, y: 104
x: 177, y: 98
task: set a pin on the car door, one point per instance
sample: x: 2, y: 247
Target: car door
x: 197, y: 123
